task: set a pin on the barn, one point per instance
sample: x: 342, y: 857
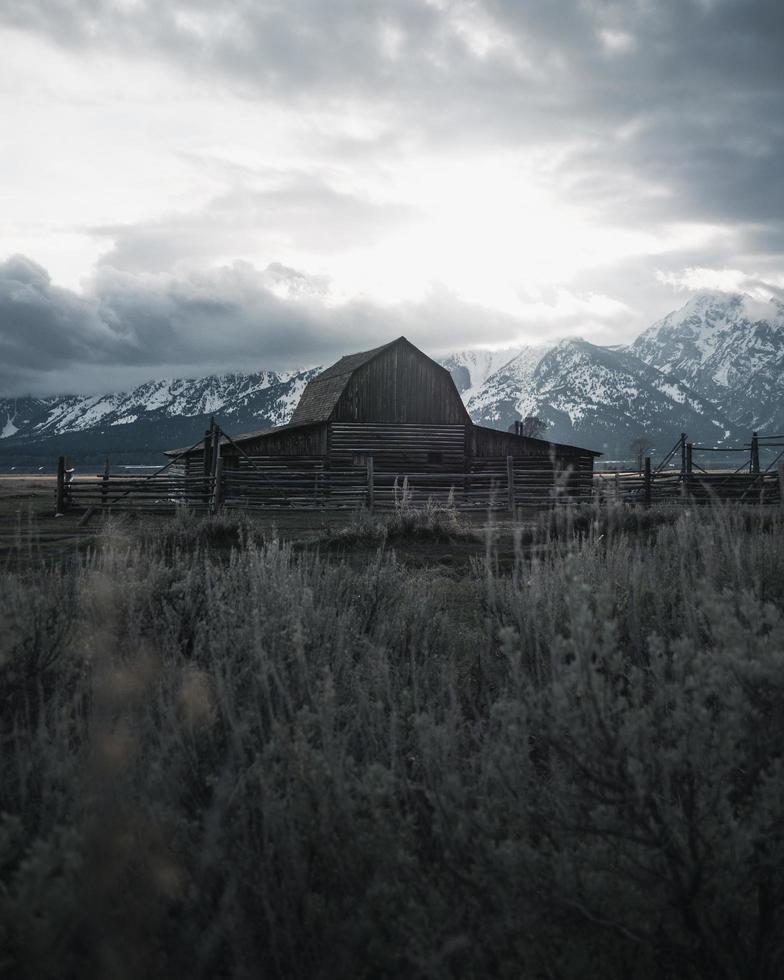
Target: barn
x: 380, y: 417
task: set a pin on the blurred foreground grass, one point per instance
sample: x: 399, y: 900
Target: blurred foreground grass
x: 223, y: 757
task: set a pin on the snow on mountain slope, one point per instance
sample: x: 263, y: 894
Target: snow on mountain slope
x: 266, y: 397
x: 18, y: 414
x: 505, y: 394
x: 714, y: 368
x: 728, y: 347
x: 604, y: 398
x: 471, y: 368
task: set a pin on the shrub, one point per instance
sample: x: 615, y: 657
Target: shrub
x: 433, y: 522
x: 268, y: 763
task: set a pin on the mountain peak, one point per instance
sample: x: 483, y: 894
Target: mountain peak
x: 729, y: 347
x: 715, y: 307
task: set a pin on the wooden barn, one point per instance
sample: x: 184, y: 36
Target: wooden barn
x: 378, y: 418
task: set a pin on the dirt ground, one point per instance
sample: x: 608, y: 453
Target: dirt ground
x: 30, y: 532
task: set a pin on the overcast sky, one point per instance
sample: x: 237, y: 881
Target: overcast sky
x: 195, y: 186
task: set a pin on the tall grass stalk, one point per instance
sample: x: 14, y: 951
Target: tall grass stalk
x: 259, y: 762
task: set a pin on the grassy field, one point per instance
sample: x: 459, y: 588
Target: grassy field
x: 392, y: 747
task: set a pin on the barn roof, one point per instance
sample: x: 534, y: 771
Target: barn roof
x: 269, y: 430
x: 321, y: 394
x: 540, y: 444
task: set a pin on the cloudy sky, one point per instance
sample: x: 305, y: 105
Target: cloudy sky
x: 215, y: 184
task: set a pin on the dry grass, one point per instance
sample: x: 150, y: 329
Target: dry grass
x: 248, y: 761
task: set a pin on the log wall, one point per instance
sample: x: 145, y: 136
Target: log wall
x: 300, y: 440
x: 399, y: 447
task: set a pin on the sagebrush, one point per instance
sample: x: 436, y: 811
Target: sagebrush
x: 268, y: 764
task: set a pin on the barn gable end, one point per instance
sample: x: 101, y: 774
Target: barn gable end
x: 400, y: 384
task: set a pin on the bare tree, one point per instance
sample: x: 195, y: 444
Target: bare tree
x: 531, y: 426
x: 640, y: 447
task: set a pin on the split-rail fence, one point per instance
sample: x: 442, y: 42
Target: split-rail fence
x: 507, y: 484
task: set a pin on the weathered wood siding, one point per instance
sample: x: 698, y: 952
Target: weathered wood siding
x: 534, y: 455
x: 484, y: 441
x: 303, y: 440
x: 398, y: 446
x: 401, y: 385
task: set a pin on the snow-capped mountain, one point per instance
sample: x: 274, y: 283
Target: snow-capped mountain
x: 503, y: 396
x: 729, y: 348
x: 154, y: 416
x: 265, y: 395
x: 605, y: 398
x: 594, y: 396
x: 714, y: 369
x: 471, y: 368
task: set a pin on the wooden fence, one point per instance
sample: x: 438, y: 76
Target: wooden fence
x: 680, y: 477
x: 497, y: 485
x: 271, y: 483
x: 694, y: 488
x: 480, y: 484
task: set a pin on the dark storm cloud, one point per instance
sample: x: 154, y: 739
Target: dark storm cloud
x: 648, y: 112
x: 682, y: 93
x: 42, y: 325
x: 129, y: 327
x: 139, y: 321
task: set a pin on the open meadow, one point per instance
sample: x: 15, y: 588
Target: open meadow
x: 395, y: 746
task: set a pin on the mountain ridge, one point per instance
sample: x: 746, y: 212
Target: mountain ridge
x: 714, y: 368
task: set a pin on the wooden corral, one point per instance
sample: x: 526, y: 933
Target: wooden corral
x: 387, y: 427
x: 380, y: 419
x: 690, y: 483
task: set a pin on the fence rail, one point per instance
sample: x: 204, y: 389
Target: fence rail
x: 693, y: 488
x: 261, y: 483
x: 341, y: 489
x: 480, y: 484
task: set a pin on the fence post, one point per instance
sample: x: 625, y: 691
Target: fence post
x: 754, y: 461
x: 689, y: 451
x: 647, y: 484
x: 207, y: 462
x: 59, y: 505
x: 105, y: 483
x: 510, y: 483
x: 217, y: 493
x: 215, y: 474
x: 683, y: 455
x: 371, y: 484
x: 781, y: 484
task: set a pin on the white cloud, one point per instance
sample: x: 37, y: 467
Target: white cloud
x: 695, y: 279
x: 533, y: 164
x: 619, y: 42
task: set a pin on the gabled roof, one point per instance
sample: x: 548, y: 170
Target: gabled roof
x: 321, y: 394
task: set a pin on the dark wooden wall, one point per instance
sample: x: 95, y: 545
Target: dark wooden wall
x: 306, y: 440
x: 398, y: 446
x: 485, y: 442
x: 401, y: 385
